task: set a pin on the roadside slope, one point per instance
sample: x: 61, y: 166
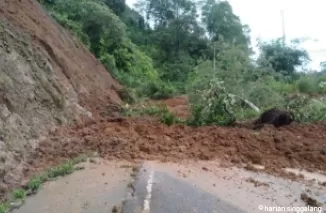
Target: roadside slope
x: 47, y: 78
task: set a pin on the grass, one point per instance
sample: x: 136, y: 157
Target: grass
x: 62, y: 170
x: 19, y: 194
x: 36, y: 182
x: 3, y: 208
x: 160, y: 112
x: 79, y: 159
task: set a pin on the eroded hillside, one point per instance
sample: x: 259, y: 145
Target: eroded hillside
x: 47, y: 78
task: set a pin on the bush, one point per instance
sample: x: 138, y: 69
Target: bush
x: 322, y: 85
x: 106, y: 37
x: 307, y: 109
x: 61, y: 170
x: 3, y: 208
x: 34, y: 184
x: 168, y: 118
x: 19, y: 194
x: 264, y: 96
x: 212, y: 106
x: 158, y: 90
x: 307, y: 85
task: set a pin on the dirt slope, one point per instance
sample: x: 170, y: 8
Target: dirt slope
x: 47, y: 77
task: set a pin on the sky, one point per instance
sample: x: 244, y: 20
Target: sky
x: 301, y: 20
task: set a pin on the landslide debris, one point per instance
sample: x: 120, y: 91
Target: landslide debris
x: 47, y: 78
x: 299, y: 146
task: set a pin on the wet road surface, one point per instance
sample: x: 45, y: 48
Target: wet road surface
x: 159, y: 192
x: 201, y: 187
x: 180, y: 188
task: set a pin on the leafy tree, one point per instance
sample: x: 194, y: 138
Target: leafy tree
x: 282, y: 57
x: 223, y: 25
x: 117, y: 6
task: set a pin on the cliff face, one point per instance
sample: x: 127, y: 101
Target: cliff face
x: 47, y: 78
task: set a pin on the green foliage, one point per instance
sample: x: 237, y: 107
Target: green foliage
x: 223, y: 25
x: 47, y: 2
x: 322, y: 85
x: 159, y: 90
x: 35, y: 183
x: 161, y: 112
x: 79, y: 159
x: 61, y: 170
x: 168, y: 118
x: 3, y: 207
x: 307, y: 85
x: 105, y: 34
x: 19, y: 194
x: 245, y: 114
x: 117, y: 6
x: 212, y: 105
x: 306, y: 109
x: 263, y: 95
x: 281, y: 87
x: 175, y: 56
x: 282, y: 57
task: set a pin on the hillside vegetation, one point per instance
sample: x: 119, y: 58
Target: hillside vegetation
x: 59, y: 99
x: 198, y: 48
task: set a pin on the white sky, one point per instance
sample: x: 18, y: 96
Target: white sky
x: 302, y: 19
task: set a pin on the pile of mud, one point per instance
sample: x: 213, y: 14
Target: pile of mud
x: 299, y: 146
x: 47, y: 78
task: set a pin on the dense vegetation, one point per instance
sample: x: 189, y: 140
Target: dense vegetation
x: 169, y: 47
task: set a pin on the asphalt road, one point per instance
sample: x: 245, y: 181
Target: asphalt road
x: 201, y: 187
x: 97, y: 189
x: 158, y: 192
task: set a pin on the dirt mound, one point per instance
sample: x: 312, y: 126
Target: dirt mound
x: 47, y: 77
x: 291, y: 146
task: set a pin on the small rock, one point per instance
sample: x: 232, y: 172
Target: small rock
x: 205, y: 168
x: 309, y: 200
x: 93, y: 161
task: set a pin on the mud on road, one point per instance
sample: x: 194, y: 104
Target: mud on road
x: 297, y: 145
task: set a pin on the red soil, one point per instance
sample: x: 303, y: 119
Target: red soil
x: 296, y: 145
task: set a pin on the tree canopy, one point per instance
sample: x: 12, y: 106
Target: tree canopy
x: 168, y: 47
